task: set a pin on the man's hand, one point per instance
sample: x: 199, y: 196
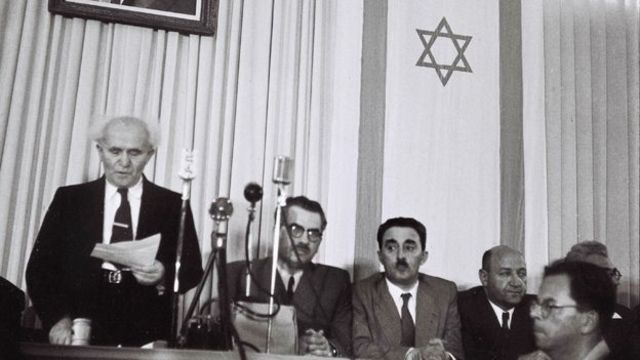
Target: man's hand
x: 314, y: 343
x: 60, y: 333
x: 536, y: 355
x: 434, y: 350
x: 149, y: 275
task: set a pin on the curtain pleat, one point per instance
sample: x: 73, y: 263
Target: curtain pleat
x: 592, y: 99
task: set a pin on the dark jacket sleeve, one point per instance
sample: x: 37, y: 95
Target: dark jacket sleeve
x: 341, y: 323
x: 47, y: 290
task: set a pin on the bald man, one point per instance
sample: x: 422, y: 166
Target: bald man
x: 495, y: 316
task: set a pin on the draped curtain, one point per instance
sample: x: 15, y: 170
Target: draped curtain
x: 581, y: 130
x: 275, y: 79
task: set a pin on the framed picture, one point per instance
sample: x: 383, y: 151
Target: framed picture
x: 186, y: 16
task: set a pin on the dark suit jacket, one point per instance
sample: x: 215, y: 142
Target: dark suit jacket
x: 11, y: 307
x: 62, y: 278
x: 482, y: 336
x: 376, y: 321
x: 322, y: 298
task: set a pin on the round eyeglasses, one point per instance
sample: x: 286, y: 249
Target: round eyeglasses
x: 547, y: 306
x: 296, y: 231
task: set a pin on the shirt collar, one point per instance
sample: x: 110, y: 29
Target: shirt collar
x: 396, y: 291
x: 498, y: 311
x: 135, y: 192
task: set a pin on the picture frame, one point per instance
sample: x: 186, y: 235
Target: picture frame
x: 185, y: 16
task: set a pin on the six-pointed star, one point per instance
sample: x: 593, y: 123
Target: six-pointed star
x: 428, y: 60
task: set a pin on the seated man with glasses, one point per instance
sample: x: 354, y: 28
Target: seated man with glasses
x: 320, y: 294
x: 616, y: 337
x: 573, y: 309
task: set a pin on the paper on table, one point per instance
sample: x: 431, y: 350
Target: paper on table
x: 129, y: 253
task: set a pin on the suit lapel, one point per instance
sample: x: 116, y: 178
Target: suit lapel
x: 488, y: 315
x: 93, y: 218
x: 386, y: 312
x: 426, y: 313
x: 147, y: 213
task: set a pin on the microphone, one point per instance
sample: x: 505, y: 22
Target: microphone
x: 220, y: 212
x: 282, y: 166
x: 253, y: 193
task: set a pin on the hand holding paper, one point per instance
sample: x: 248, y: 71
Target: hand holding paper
x: 132, y: 254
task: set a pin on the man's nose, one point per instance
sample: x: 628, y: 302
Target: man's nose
x: 124, y: 159
x: 534, y: 311
x: 516, y: 280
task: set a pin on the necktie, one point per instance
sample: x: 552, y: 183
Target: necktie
x: 505, y: 320
x: 289, y: 298
x: 122, y: 228
x: 406, y: 322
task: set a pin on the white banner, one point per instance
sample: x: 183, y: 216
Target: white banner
x: 442, y: 129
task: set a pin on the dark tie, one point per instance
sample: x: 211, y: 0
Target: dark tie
x: 289, y: 299
x: 505, y: 320
x: 122, y: 228
x: 406, y: 321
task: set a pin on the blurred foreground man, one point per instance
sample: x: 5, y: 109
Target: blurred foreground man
x: 402, y: 313
x: 320, y: 294
x: 125, y: 306
x: 574, y: 307
x: 495, y: 316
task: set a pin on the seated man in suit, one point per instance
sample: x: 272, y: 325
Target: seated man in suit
x: 616, y: 338
x: 125, y: 306
x: 11, y: 307
x: 495, y: 316
x: 574, y: 307
x: 402, y: 313
x: 320, y: 294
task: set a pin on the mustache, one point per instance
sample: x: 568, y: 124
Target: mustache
x: 402, y: 262
x: 302, y: 247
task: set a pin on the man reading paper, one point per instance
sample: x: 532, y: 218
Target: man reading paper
x: 126, y: 305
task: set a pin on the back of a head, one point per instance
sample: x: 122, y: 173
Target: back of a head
x: 591, y: 287
x: 582, y: 250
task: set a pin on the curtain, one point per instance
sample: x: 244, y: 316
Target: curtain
x: 589, y: 87
x: 275, y: 79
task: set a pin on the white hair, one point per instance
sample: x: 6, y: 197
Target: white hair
x: 100, y: 125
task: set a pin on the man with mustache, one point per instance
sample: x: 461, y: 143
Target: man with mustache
x: 575, y: 303
x: 402, y: 313
x: 126, y: 306
x: 320, y: 294
x: 495, y: 316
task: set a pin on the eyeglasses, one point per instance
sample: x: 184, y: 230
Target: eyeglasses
x: 296, y: 231
x: 615, y: 274
x: 547, y: 306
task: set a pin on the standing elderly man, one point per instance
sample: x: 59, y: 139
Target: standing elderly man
x: 495, y: 316
x: 402, y: 313
x: 125, y: 306
x: 320, y: 294
x: 575, y: 303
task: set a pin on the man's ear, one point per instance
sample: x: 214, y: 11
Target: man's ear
x: 483, y: 275
x: 425, y: 256
x: 589, y: 321
x: 380, y: 257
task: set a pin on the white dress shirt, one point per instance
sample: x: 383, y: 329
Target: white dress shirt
x: 396, y: 294
x: 498, y: 311
x: 111, y: 204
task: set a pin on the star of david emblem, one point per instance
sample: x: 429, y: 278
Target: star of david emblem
x: 460, y: 43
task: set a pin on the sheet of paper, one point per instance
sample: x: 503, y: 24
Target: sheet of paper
x: 129, y: 253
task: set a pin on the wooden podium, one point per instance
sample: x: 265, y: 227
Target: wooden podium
x: 39, y: 351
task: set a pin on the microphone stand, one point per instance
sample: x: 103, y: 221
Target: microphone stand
x: 187, y: 174
x: 220, y: 212
x: 281, y: 201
